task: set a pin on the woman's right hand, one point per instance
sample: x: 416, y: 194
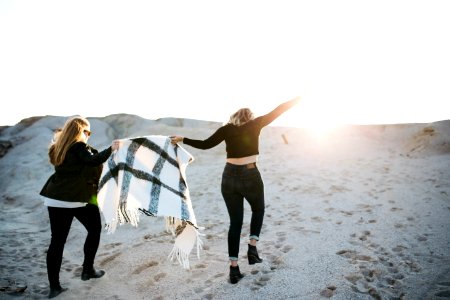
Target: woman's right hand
x: 176, y: 139
x: 115, y: 145
x: 296, y: 100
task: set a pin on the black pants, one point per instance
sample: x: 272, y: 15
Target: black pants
x: 60, y: 222
x: 239, y: 182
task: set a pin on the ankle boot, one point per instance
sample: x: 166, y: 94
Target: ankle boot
x: 90, y: 272
x: 55, y: 291
x: 252, y: 255
x: 235, y: 274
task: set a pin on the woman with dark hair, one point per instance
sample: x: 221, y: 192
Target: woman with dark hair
x: 72, y: 192
x: 241, y: 178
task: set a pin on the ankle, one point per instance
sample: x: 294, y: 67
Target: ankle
x: 55, y: 286
x: 253, y: 240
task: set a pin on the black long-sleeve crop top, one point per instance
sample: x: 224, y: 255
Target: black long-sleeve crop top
x: 243, y: 140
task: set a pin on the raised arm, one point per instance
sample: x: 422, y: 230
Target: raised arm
x: 268, y: 118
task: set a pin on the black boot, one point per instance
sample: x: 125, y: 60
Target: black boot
x: 252, y: 255
x: 55, y: 291
x: 235, y: 274
x: 90, y: 272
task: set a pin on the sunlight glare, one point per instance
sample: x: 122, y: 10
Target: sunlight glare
x: 316, y: 117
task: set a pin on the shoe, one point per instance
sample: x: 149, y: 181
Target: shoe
x: 56, y: 291
x: 91, y: 273
x: 235, y: 274
x: 252, y: 254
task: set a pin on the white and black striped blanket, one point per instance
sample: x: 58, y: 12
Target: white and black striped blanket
x: 148, y: 175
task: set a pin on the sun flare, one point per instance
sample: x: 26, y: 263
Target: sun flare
x: 315, y: 117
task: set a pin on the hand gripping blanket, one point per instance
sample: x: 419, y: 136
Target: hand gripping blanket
x: 147, y: 175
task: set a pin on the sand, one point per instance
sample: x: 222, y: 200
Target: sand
x: 361, y: 213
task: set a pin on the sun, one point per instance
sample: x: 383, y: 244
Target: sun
x: 315, y: 117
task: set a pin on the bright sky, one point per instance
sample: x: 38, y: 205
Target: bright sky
x: 359, y: 62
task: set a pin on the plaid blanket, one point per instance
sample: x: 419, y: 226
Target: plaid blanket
x: 147, y: 175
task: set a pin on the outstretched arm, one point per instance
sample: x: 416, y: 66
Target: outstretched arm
x: 268, y: 118
x: 210, y: 142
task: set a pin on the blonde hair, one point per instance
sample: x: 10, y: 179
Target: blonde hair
x: 241, y: 117
x: 66, y: 137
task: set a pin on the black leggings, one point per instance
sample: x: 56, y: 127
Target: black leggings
x: 60, y: 222
x: 239, y: 182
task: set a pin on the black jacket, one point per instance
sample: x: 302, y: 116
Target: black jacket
x: 76, y: 179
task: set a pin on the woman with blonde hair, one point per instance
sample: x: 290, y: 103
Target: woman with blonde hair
x: 71, y: 192
x: 241, y: 178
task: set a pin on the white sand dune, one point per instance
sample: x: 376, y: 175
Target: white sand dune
x: 363, y: 213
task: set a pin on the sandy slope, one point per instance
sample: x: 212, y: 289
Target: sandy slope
x: 362, y: 213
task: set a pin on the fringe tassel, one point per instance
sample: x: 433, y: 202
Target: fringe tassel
x: 184, y: 243
x: 182, y: 257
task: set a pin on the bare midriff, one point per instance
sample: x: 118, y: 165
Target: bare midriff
x: 243, y: 160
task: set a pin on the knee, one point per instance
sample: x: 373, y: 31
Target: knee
x: 259, y: 210
x: 236, y: 222
x: 95, y: 230
x: 56, y: 244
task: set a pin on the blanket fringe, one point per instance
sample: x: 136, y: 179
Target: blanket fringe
x: 124, y: 216
x: 187, y: 236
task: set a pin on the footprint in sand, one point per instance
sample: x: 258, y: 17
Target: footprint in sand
x: 399, y: 225
x: 281, y: 236
x: 355, y: 256
x: 286, y: 248
x: 396, y: 209
x: 364, y: 235
x: 111, y: 246
x: 109, y: 259
x: 421, y: 238
x: 347, y: 213
x: 293, y: 214
x: 159, y: 276
x: 328, y: 292
x: 262, y: 280
x: 275, y: 261
x: 219, y: 277
x: 200, y: 266
x: 339, y: 189
x: 368, y: 208
x: 317, y: 219
x: 208, y: 297
x: 303, y: 230
x: 399, y: 248
x: 144, y: 266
